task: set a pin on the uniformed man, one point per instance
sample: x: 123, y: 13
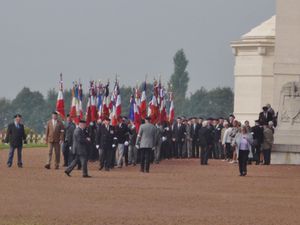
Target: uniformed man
x: 105, y: 142
x: 80, y: 148
x: 69, y: 131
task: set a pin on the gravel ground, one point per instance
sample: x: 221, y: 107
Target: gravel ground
x: 175, y: 192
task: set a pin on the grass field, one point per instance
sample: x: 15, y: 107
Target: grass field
x: 5, y: 146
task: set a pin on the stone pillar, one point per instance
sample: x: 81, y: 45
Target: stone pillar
x: 253, y: 71
x: 287, y: 83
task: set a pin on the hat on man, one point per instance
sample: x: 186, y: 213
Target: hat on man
x: 148, y: 118
x: 82, y: 121
x: 106, y: 119
x: 18, y: 115
x: 54, y: 113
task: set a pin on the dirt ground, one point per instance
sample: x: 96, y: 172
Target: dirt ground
x: 175, y: 192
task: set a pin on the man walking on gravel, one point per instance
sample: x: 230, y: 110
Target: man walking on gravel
x: 145, y: 142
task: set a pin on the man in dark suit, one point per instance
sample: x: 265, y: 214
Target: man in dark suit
x: 122, y: 132
x: 204, y: 139
x: 179, y: 136
x: 70, y: 127
x: 80, y: 149
x: 105, y: 144
x: 219, y: 154
x: 211, y: 129
x: 258, y: 136
x: 265, y: 116
x: 15, y: 136
x: 195, y: 139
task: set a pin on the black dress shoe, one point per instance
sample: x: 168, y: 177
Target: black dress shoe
x: 20, y: 165
x: 67, y: 173
x: 106, y: 169
x: 47, y: 167
x: 101, y: 167
x: 9, y: 165
x: 86, y: 176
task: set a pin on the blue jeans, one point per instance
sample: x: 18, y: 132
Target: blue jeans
x: 11, y: 155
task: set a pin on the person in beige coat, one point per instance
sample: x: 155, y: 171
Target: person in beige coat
x: 54, y: 138
x: 268, y: 143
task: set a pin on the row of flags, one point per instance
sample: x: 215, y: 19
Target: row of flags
x: 101, y: 103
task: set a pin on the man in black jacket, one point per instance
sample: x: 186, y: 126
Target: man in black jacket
x: 204, y: 140
x: 195, y: 127
x: 258, y: 136
x: 80, y: 149
x: 179, y: 137
x: 122, y: 133
x: 219, y: 153
x: 265, y: 116
x: 69, y: 131
x: 15, y: 136
x: 105, y: 144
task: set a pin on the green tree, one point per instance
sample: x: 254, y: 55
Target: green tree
x: 32, y: 106
x: 5, y: 112
x: 179, y: 81
x: 213, y: 103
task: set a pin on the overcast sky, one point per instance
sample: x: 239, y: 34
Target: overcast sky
x: 98, y: 39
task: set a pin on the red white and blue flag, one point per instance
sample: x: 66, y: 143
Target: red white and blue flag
x: 143, y: 106
x: 106, y: 102
x: 60, y: 103
x: 172, y: 110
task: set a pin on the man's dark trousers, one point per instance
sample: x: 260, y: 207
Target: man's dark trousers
x: 204, y: 155
x: 145, y: 159
x: 83, y: 160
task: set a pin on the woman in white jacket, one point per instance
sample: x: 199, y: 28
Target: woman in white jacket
x: 243, y: 141
x: 226, y: 141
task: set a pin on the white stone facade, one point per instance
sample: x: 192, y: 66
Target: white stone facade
x: 253, y: 71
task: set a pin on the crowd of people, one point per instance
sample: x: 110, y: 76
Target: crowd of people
x: 117, y: 146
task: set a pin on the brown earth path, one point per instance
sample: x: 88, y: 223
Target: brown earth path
x: 175, y: 192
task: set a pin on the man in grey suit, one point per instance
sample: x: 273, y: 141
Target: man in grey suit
x: 80, y: 149
x: 146, y: 141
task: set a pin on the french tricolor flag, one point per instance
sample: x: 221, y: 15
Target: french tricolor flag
x: 60, y: 104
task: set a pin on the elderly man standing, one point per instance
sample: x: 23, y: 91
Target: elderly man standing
x: 15, y: 136
x: 81, y: 142
x: 146, y: 141
x: 70, y: 127
x: 54, y: 138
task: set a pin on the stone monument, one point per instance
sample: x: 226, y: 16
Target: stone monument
x: 253, y: 71
x: 287, y: 83
x: 267, y: 70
